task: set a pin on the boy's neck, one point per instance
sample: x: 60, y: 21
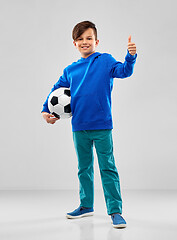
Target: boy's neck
x: 83, y: 56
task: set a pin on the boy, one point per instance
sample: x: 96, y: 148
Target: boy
x: 90, y: 80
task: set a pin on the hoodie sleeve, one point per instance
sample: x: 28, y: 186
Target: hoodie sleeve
x: 62, y: 82
x: 119, y: 69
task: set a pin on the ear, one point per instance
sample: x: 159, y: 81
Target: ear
x: 97, y: 41
x: 74, y: 43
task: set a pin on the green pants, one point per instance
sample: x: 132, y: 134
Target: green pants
x: 102, y: 140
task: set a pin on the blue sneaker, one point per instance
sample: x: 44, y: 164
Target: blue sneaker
x: 118, y: 221
x: 80, y: 212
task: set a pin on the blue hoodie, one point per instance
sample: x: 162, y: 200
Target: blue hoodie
x: 91, y: 81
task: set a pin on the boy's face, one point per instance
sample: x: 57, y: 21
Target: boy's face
x: 86, y: 43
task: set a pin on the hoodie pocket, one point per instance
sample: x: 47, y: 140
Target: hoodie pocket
x: 87, y: 108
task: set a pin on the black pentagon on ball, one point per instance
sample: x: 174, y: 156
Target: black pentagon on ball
x: 56, y: 115
x: 54, y: 100
x: 67, y: 108
x: 67, y: 92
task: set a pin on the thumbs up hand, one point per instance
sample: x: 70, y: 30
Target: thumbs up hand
x: 131, y: 46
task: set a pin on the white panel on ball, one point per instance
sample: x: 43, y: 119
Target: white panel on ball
x: 64, y: 100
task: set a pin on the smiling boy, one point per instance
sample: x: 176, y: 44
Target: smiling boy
x: 90, y: 80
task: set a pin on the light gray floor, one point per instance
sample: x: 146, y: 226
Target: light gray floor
x: 39, y: 215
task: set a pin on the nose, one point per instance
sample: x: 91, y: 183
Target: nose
x: 84, y: 41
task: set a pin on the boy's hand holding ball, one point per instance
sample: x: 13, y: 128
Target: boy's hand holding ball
x: 49, y: 117
x: 131, y: 46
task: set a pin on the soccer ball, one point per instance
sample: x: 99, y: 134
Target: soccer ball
x: 59, y: 103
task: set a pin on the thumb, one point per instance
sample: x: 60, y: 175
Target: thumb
x: 50, y: 115
x: 129, y: 39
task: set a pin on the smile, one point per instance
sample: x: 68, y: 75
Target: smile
x: 85, y: 47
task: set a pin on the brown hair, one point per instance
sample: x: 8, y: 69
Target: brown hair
x: 81, y: 27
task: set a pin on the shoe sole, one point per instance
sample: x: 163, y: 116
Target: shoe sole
x: 80, y: 216
x: 119, y: 226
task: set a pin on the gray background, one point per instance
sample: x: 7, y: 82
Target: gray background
x: 35, y: 47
